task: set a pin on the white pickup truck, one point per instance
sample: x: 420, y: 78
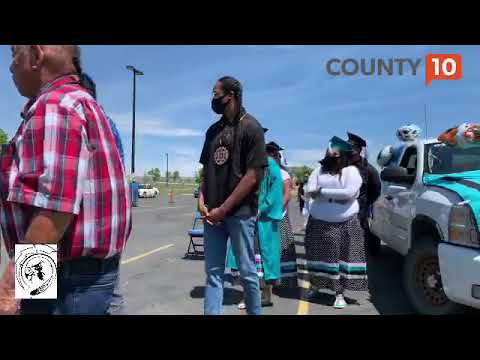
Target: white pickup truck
x: 147, y: 191
x: 432, y: 227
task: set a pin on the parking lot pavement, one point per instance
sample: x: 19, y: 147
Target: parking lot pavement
x: 157, y: 279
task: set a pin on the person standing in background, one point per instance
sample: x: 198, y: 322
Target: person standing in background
x: 288, y: 257
x: 267, y: 239
x: 369, y: 192
x: 301, y: 196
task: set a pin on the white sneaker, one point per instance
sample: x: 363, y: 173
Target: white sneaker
x: 340, y: 302
x: 242, y: 305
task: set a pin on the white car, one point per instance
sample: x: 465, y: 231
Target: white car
x: 431, y: 226
x: 147, y: 191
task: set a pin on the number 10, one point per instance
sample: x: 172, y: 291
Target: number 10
x: 453, y: 66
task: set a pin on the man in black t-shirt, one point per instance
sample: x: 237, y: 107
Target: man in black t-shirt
x: 233, y: 159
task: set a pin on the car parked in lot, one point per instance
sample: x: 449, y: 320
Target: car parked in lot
x: 432, y: 227
x: 147, y: 191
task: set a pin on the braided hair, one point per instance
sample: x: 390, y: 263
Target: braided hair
x: 229, y: 83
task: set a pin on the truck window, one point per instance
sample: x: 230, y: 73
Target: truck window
x: 409, y: 160
x: 444, y: 159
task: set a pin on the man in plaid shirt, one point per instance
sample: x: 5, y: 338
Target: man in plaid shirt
x: 62, y: 181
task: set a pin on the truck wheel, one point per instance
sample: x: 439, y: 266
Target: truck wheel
x: 423, y: 283
x: 374, y: 245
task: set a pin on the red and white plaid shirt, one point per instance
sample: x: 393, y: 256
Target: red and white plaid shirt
x: 64, y: 158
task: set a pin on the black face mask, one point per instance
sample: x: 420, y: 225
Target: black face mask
x: 217, y: 105
x: 354, y: 157
x: 328, y: 162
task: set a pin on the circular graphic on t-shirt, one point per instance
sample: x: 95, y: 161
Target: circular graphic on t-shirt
x: 221, y: 155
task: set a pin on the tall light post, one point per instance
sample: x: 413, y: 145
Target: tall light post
x: 136, y: 73
x: 167, y: 169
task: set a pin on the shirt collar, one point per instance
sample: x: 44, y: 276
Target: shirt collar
x: 52, y: 85
x: 60, y: 81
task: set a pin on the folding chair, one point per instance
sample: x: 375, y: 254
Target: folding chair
x: 195, y: 233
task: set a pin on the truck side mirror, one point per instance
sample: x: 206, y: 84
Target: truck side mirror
x: 397, y: 174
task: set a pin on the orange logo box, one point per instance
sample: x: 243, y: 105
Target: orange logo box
x: 443, y: 67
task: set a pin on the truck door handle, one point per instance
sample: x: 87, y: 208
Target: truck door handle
x: 389, y: 197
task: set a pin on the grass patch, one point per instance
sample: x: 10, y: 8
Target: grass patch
x: 177, y: 188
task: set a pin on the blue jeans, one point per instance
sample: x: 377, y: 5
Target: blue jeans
x: 241, y: 231
x: 117, y: 304
x: 77, y: 294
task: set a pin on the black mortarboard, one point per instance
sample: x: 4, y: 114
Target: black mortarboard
x: 356, y: 140
x: 265, y: 130
x: 273, y: 146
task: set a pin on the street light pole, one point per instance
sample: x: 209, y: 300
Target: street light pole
x: 167, y: 168
x: 133, y: 121
x: 135, y: 73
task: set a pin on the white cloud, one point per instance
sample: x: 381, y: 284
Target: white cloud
x: 152, y: 126
x: 187, y: 102
x: 181, y: 158
x: 309, y: 157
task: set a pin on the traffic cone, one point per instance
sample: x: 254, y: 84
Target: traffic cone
x: 170, y: 197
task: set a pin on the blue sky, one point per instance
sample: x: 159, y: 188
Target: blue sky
x: 285, y: 87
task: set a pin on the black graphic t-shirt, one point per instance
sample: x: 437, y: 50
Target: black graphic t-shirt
x: 230, y: 149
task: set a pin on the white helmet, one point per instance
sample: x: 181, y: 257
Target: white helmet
x: 385, y: 156
x: 408, y: 132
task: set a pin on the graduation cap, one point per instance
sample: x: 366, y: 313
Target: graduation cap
x: 273, y: 146
x: 265, y: 130
x: 341, y: 145
x: 356, y: 140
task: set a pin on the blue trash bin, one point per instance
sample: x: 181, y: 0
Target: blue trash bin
x: 134, y: 192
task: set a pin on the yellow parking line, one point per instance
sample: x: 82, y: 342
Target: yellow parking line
x: 303, y: 306
x: 135, y: 258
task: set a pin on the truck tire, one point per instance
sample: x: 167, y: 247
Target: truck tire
x: 374, y: 245
x: 422, y: 280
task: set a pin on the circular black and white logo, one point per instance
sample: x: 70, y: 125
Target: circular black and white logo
x: 221, y: 155
x: 36, y: 271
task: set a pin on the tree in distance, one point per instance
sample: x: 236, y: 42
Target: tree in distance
x: 3, y: 137
x: 199, y: 176
x: 301, y: 173
x: 155, y: 174
x: 176, y: 176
